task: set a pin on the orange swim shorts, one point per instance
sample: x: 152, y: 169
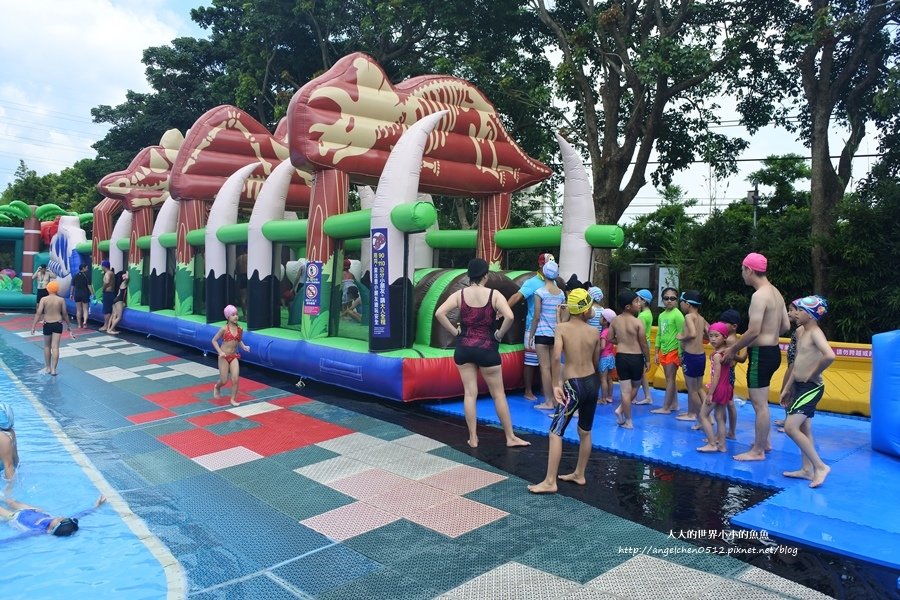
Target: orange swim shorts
x: 669, y: 358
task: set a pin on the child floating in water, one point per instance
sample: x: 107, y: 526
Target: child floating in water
x: 32, y: 520
x: 231, y: 336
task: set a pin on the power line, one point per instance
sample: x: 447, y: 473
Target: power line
x: 27, y: 108
x: 38, y: 127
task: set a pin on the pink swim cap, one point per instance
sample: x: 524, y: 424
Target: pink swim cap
x: 720, y: 328
x: 756, y: 262
x: 230, y: 310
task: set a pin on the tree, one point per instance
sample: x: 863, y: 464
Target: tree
x: 839, y: 52
x: 27, y: 186
x: 641, y: 75
x: 258, y: 54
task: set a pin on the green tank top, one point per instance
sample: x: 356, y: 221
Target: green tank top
x: 646, y: 317
x: 669, y: 324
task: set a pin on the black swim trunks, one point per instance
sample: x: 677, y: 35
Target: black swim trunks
x: 81, y: 296
x: 763, y: 362
x: 51, y: 328
x: 806, y: 397
x: 481, y: 357
x: 544, y: 340
x: 580, y: 394
x: 629, y: 367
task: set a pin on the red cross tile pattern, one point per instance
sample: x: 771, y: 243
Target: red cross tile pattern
x: 281, y: 430
x: 189, y: 395
x: 212, y: 419
x: 162, y: 359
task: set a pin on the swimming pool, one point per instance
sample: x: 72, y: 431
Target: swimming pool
x: 113, y: 555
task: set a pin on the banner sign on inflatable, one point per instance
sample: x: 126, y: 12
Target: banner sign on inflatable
x: 381, y: 320
x: 312, y: 291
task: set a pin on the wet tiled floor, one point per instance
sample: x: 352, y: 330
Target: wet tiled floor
x: 289, y: 497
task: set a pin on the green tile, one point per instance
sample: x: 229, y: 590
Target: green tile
x: 445, y: 566
x: 194, y: 407
x: 383, y: 584
x: 232, y: 426
x: 386, y: 431
x: 163, y: 466
x: 171, y: 425
x: 247, y: 473
x: 455, y: 455
x: 396, y: 541
x: 303, y: 457
x: 302, y: 504
x: 512, y: 536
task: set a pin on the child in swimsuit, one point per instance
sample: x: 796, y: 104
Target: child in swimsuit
x: 721, y: 391
x: 229, y: 366
x: 607, y: 361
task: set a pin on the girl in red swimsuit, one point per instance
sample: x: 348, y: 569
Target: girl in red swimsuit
x: 229, y: 365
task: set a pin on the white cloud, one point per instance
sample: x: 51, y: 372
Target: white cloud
x: 60, y: 59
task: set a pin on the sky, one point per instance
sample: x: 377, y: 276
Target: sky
x: 60, y: 59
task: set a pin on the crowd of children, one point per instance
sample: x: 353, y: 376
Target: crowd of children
x: 563, y: 323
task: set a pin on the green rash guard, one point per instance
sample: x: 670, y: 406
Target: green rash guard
x: 646, y: 318
x: 669, y: 324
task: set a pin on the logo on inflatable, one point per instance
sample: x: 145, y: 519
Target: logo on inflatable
x: 64, y: 259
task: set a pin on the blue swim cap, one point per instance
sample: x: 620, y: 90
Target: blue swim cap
x: 6, y: 416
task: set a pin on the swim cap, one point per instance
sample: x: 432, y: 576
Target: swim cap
x: 65, y: 528
x: 105, y: 264
x: 816, y: 306
x: 608, y: 314
x: 645, y: 295
x: 230, y: 310
x: 579, y: 301
x: 52, y: 287
x: 692, y: 297
x: 543, y: 257
x: 719, y: 327
x: 756, y: 262
x: 346, y: 263
x: 550, y: 269
x: 7, y: 418
x: 626, y: 297
x: 596, y: 294
x: 730, y: 316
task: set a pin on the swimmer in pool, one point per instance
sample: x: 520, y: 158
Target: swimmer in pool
x: 33, y: 520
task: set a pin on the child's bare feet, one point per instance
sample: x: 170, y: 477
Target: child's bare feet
x: 530, y: 397
x: 708, y: 448
x: 216, y: 389
x: 620, y: 418
x: 731, y: 435
x: 234, y: 402
x: 696, y: 426
x: 819, y: 476
x: 472, y: 442
x: 544, y: 406
x: 574, y: 478
x: 513, y: 442
x: 661, y: 411
x: 686, y: 417
x: 750, y: 456
x: 799, y: 474
x: 641, y: 402
x: 542, y: 488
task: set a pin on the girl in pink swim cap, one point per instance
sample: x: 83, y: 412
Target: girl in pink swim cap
x: 721, y: 391
x: 232, y: 336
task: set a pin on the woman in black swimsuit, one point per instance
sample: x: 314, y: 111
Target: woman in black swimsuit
x: 477, y: 346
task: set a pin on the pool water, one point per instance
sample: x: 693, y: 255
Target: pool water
x: 105, y: 558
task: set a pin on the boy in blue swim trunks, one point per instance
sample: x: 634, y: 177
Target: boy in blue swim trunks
x: 804, y: 387
x: 693, y: 356
x: 32, y: 520
x: 575, y: 387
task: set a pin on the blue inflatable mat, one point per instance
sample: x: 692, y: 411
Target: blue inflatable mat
x: 854, y: 514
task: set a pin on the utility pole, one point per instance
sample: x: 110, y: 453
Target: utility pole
x: 753, y: 199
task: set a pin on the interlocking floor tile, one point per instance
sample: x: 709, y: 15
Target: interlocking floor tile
x: 212, y: 418
x: 431, y: 566
x: 368, y: 483
x: 410, y: 499
x: 302, y: 457
x: 226, y: 458
x: 163, y: 375
x: 232, y: 426
x: 163, y: 466
x: 648, y: 578
x: 457, y: 516
x: 462, y: 479
x: 112, y: 374
x: 197, y: 442
x: 419, y: 467
x: 352, y: 443
x: 383, y: 584
x: 326, y: 570
x: 384, y: 454
x: 419, y: 442
x: 256, y: 408
x: 512, y: 581
x: 148, y: 417
x: 333, y: 469
x: 349, y: 521
x: 397, y: 541
x: 261, y: 586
